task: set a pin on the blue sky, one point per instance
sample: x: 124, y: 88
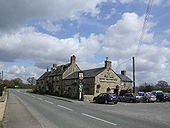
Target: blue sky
x: 36, y: 34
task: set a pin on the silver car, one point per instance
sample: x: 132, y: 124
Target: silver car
x: 149, y: 97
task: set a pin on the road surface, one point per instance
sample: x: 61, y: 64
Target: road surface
x: 35, y: 111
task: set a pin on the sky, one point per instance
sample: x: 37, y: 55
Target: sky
x: 35, y: 34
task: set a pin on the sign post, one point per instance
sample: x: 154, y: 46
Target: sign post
x: 81, y: 76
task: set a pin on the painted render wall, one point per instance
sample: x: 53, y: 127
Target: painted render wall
x: 106, y: 79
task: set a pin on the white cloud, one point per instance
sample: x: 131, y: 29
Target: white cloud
x: 119, y: 42
x: 167, y: 31
x: 22, y: 72
x: 154, y: 2
x: 45, y: 49
x: 165, y: 43
x: 18, y: 12
x: 1, y: 65
x: 50, y: 26
x: 122, y: 1
x: 125, y: 1
x: 121, y: 39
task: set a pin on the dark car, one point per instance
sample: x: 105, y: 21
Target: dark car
x: 106, y: 98
x: 160, y: 97
x: 167, y: 96
x: 131, y: 97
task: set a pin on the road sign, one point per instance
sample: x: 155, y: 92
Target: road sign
x: 81, y: 75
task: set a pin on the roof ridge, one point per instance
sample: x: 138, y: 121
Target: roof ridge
x: 93, y: 68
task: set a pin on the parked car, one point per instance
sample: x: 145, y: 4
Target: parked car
x: 106, y: 98
x: 160, y: 97
x: 149, y: 97
x: 167, y: 96
x: 140, y: 95
x: 155, y: 92
x: 131, y: 97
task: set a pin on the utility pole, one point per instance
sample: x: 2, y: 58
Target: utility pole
x: 2, y: 75
x: 81, y: 76
x: 133, y: 74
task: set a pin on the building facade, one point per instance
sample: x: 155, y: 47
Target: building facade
x: 51, y: 81
x: 98, y: 80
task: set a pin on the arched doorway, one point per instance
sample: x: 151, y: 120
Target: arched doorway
x: 116, y: 90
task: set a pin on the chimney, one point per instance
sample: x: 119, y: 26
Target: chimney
x: 123, y: 72
x: 108, y: 64
x: 73, y: 59
x: 54, y: 65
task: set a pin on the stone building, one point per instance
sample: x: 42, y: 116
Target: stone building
x: 51, y: 81
x: 63, y: 80
x: 98, y: 80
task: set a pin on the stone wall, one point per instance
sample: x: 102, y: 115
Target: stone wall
x: 88, y: 98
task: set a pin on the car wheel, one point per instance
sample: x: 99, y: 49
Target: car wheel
x: 131, y: 101
x: 115, y: 102
x: 94, y: 101
x: 147, y: 100
x: 106, y: 102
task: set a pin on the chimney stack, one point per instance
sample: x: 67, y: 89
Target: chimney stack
x: 54, y: 66
x: 73, y: 59
x: 123, y: 72
x: 108, y: 64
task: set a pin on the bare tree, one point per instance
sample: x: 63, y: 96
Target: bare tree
x: 162, y: 85
x: 146, y: 87
x: 31, y: 80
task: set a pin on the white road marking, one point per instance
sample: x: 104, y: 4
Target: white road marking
x: 65, y: 107
x: 39, y: 98
x: 98, y: 119
x: 49, y: 102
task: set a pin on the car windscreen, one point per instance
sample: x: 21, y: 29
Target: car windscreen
x: 135, y: 94
x: 141, y: 94
x: 112, y: 95
x: 166, y: 94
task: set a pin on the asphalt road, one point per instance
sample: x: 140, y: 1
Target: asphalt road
x: 48, y: 112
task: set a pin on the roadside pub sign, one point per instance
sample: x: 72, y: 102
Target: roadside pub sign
x: 81, y: 75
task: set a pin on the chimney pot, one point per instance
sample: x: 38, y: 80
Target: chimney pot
x: 73, y: 59
x: 54, y: 65
x: 123, y: 72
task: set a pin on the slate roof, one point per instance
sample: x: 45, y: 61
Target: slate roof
x: 87, y: 73
x: 124, y: 78
x: 44, y: 75
x: 60, y: 70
